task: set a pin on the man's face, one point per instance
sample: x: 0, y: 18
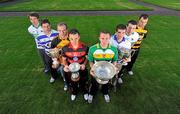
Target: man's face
x: 142, y: 22
x: 46, y: 27
x: 104, y: 39
x: 34, y: 20
x: 120, y: 33
x: 131, y: 28
x: 74, y: 38
x: 62, y: 31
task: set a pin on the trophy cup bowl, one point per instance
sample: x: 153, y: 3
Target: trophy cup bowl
x: 104, y: 71
x: 74, y: 69
x: 54, y: 53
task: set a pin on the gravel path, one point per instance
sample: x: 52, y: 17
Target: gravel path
x: 156, y: 11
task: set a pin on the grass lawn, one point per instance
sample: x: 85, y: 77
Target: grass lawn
x: 32, y: 5
x: 153, y: 89
x: 172, y: 4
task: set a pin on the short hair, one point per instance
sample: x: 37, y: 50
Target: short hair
x: 45, y: 21
x: 62, y: 24
x: 33, y: 14
x: 74, y: 31
x: 121, y: 27
x: 105, y: 32
x: 144, y: 16
x: 133, y: 22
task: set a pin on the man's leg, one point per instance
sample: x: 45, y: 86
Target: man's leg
x: 133, y: 60
x: 83, y: 82
x: 43, y: 58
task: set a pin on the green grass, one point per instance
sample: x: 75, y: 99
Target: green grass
x: 153, y: 89
x: 32, y: 5
x: 172, y: 4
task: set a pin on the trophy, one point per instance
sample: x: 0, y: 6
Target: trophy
x: 74, y: 69
x: 54, y: 54
x: 104, y: 71
x: 124, y: 55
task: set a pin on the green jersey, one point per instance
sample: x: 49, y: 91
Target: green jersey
x: 97, y: 53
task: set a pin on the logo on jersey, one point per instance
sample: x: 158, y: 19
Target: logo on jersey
x: 75, y: 58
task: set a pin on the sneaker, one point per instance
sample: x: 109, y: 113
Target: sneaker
x: 73, y: 97
x: 90, y: 98
x: 86, y: 96
x: 46, y: 71
x: 120, y: 81
x: 65, y: 87
x: 130, y: 73
x: 107, y: 98
x: 52, y: 80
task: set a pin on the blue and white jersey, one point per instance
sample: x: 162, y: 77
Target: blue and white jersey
x: 122, y: 44
x: 132, y: 38
x: 44, y: 41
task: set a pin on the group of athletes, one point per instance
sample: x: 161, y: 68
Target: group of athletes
x: 71, y: 50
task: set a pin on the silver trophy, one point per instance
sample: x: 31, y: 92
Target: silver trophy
x: 124, y: 55
x: 74, y: 69
x: 104, y: 71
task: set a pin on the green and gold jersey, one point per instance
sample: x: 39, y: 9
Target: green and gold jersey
x: 97, y: 53
x: 142, y: 33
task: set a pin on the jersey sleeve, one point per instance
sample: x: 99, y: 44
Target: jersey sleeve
x: 115, y: 58
x: 90, y: 55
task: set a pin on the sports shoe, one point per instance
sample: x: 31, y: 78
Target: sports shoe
x: 120, y: 81
x: 73, y: 97
x: 46, y: 71
x: 65, y: 87
x: 130, y: 73
x: 90, y: 98
x: 86, y: 96
x: 52, y: 80
x: 107, y: 98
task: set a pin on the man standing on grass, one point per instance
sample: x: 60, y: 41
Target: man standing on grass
x: 76, y: 51
x: 102, y: 51
x: 142, y: 31
x: 35, y: 29
x: 132, y: 37
x: 119, y: 41
x: 44, y: 44
x: 59, y: 42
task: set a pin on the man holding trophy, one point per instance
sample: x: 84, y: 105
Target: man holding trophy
x: 57, y: 44
x: 74, y: 61
x: 102, y: 59
x: 124, y: 48
x: 132, y: 36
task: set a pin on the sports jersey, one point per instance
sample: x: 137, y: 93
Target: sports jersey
x: 75, y: 55
x: 58, y: 42
x: 142, y: 33
x: 97, y: 53
x: 132, y: 38
x: 124, y: 43
x: 35, y: 31
x: 44, y: 41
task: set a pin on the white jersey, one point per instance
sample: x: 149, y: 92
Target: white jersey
x: 122, y: 44
x: 35, y: 31
x: 132, y: 38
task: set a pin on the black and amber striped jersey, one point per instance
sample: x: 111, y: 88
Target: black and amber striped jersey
x: 59, y: 42
x: 142, y: 33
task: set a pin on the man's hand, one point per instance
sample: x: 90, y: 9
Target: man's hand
x: 82, y: 67
x: 66, y: 68
x: 92, y: 72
